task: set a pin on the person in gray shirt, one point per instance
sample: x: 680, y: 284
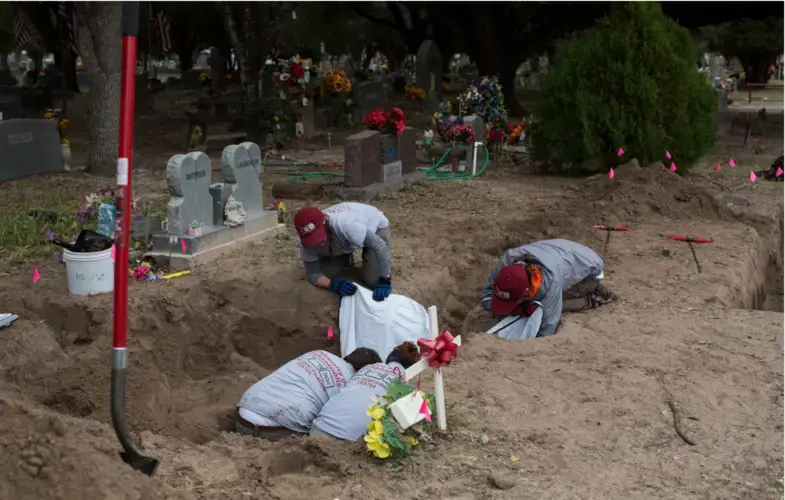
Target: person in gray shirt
x: 553, y: 275
x: 329, y: 237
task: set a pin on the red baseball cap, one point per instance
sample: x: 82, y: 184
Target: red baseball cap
x: 510, y: 286
x: 309, y: 223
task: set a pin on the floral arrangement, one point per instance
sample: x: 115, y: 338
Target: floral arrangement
x: 414, y: 93
x: 469, y: 99
x: 337, y: 82
x: 392, y: 122
x: 385, y: 438
x: 460, y: 133
x: 204, y: 77
x: 295, y: 71
x: 442, y: 122
x: 62, y: 124
x: 515, y: 134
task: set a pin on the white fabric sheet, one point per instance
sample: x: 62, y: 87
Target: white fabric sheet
x: 380, y: 326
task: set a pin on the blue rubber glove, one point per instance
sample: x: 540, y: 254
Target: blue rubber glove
x: 342, y: 287
x: 382, y: 290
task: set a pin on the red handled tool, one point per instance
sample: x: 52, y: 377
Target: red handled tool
x: 611, y: 230
x: 690, y: 240
x: 119, y: 360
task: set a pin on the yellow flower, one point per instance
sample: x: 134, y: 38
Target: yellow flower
x: 49, y: 116
x: 375, y: 412
x: 413, y: 441
x: 373, y: 442
x: 376, y: 427
x: 275, y: 118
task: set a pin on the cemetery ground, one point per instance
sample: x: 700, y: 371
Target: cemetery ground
x: 584, y: 414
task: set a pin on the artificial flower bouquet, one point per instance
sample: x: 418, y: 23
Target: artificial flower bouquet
x: 62, y: 124
x: 392, y: 122
x: 414, y: 93
x: 385, y: 437
x: 462, y: 134
x: 337, y: 82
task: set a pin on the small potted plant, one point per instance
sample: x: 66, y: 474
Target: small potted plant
x: 195, y: 229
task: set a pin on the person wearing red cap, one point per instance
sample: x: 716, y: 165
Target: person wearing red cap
x: 329, y: 237
x: 551, y: 275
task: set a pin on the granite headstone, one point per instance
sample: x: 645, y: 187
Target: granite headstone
x: 241, y: 165
x: 188, y: 178
x: 429, y: 74
x: 368, y: 96
x: 29, y: 147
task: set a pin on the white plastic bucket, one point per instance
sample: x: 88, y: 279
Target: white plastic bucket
x: 89, y: 273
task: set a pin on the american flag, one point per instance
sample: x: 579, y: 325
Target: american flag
x: 67, y: 16
x: 22, y: 35
x: 161, y: 24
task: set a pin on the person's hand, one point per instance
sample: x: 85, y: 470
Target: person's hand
x: 382, y: 290
x: 343, y: 288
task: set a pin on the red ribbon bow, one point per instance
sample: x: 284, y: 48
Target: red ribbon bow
x: 439, y: 351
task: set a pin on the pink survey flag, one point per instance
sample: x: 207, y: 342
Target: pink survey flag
x: 732, y: 163
x: 718, y: 167
x: 424, y: 410
x: 620, y: 152
x: 182, y: 245
x: 668, y: 155
x: 330, y: 333
x: 611, y: 174
x: 673, y: 167
x: 753, y: 177
x: 113, y: 254
x: 779, y: 172
x: 36, y: 275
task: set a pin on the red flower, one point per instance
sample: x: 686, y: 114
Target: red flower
x: 297, y: 71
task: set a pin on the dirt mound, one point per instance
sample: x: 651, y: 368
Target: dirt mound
x: 634, y: 195
x: 196, y: 347
x: 42, y: 457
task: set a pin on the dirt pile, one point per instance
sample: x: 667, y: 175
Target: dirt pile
x: 634, y: 195
x: 42, y: 457
x: 196, y: 346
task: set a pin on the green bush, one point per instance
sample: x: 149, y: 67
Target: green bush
x: 631, y: 81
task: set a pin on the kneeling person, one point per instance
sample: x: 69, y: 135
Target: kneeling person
x: 285, y: 402
x: 329, y: 237
x: 345, y: 415
x: 554, y: 275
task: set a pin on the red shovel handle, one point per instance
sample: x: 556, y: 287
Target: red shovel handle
x: 689, y: 238
x: 613, y: 228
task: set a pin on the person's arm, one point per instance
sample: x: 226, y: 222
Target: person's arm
x: 373, y: 242
x: 551, y: 311
x: 313, y: 271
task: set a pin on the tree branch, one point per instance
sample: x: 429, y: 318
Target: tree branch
x: 373, y: 19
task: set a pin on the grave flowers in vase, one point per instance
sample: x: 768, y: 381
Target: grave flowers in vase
x: 385, y: 438
x: 388, y: 123
x: 460, y: 136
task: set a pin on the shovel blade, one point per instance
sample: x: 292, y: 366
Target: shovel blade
x: 145, y: 465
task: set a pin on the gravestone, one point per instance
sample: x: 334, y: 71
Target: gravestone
x: 188, y: 178
x: 10, y: 104
x: 29, y: 147
x: 362, y: 155
x: 217, y: 68
x: 391, y: 168
x: 429, y: 74
x: 407, y: 150
x: 368, y: 96
x: 241, y: 165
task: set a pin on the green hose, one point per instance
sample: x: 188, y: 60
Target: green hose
x: 430, y: 173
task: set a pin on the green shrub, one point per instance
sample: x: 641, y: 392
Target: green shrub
x: 631, y: 81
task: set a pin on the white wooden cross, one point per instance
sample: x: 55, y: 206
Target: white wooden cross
x: 422, y: 364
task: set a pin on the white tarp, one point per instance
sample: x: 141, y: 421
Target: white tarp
x: 518, y: 327
x: 380, y: 326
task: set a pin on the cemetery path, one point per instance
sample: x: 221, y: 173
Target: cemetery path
x: 583, y: 414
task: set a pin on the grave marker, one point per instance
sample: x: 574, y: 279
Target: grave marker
x: 362, y: 158
x: 188, y: 177
x: 241, y: 166
x: 369, y: 95
x: 10, y: 104
x: 429, y: 74
x: 29, y: 147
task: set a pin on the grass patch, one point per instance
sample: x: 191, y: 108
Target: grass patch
x: 30, y: 206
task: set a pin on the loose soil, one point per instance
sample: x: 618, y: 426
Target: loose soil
x: 584, y: 414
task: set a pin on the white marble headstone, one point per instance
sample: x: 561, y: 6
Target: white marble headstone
x: 242, y: 168
x: 189, y: 177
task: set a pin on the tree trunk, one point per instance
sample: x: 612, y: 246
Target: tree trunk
x: 186, y: 58
x: 239, y: 52
x: 102, y: 21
